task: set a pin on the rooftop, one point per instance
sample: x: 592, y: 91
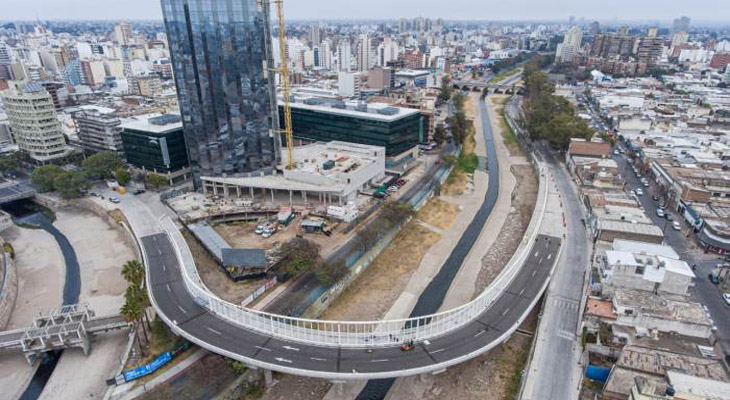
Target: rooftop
x: 374, y: 111
x: 591, y: 149
x: 664, y: 306
x: 153, y: 123
x: 659, y: 362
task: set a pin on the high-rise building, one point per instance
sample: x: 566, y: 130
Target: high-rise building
x: 315, y: 34
x: 681, y: 24
x: 344, y: 56
x: 679, y: 38
x: 123, y: 33
x: 387, y: 51
x: 36, y: 128
x: 594, y: 28
x: 364, y: 53
x: 221, y: 55
x: 348, y: 84
x: 567, y: 51
x: 98, y: 129
x: 649, y: 51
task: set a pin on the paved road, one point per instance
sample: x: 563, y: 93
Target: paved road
x: 552, y: 371
x: 433, y: 296
x: 704, y: 291
x: 174, y: 303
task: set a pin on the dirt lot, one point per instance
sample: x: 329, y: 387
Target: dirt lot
x: 438, y: 213
x: 214, y: 278
x: 292, y: 387
x: 523, y: 203
x: 374, y: 292
x: 241, y: 235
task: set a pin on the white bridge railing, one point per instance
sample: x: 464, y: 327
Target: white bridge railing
x: 358, y: 333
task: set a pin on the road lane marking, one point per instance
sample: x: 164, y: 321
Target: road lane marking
x: 214, y: 331
x: 168, y: 287
x: 317, y: 359
x: 290, y: 348
x: 522, y: 291
x: 437, y: 351
x: 534, y: 272
x: 550, y: 256
x: 182, y: 309
x: 164, y: 269
x: 380, y: 360
x: 263, y: 348
x: 505, y: 311
x: 481, y: 332
x: 540, y: 261
x: 279, y: 359
x: 537, y: 253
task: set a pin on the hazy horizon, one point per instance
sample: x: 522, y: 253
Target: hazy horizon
x: 650, y: 11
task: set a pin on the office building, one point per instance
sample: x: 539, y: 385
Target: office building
x: 221, y: 55
x: 145, y: 85
x: 36, y: 128
x: 123, y: 33
x: 568, y: 51
x: 98, y: 128
x: 323, y: 119
x: 155, y: 143
x: 649, y: 51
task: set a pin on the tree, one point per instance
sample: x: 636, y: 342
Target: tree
x: 446, y: 89
x: 45, y: 176
x: 331, y: 272
x: 133, y: 272
x: 439, y: 134
x: 122, y: 176
x: 102, y: 165
x: 155, y: 181
x: 298, y: 255
x: 8, y: 163
x: 70, y: 184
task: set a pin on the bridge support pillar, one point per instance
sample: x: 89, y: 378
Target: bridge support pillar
x: 268, y: 378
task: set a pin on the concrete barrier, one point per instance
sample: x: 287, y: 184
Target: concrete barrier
x: 8, y: 288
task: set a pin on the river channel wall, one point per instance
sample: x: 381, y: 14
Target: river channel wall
x: 8, y: 287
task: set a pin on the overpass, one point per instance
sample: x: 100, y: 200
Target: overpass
x: 342, y: 350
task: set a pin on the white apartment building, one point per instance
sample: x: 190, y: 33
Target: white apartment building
x: 98, y: 128
x: 33, y: 120
x: 569, y: 49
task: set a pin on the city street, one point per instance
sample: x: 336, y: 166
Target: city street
x: 704, y: 291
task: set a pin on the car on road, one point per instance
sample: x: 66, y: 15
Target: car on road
x: 726, y: 297
x: 114, y: 199
x: 615, y: 152
x: 655, y: 198
x: 660, y: 212
x: 669, y: 217
x: 645, y: 183
x: 138, y: 191
x: 639, y: 192
x: 676, y: 226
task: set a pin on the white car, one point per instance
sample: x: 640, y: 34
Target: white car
x: 114, y: 199
x: 726, y: 297
x: 639, y: 192
x: 676, y: 226
x: 660, y: 212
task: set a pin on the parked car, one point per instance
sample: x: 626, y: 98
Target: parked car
x: 726, y: 297
x: 138, y: 191
x: 114, y: 199
x: 615, y: 152
x: 655, y: 198
x: 676, y: 226
x: 669, y: 217
x: 639, y: 192
x: 660, y: 212
x: 259, y: 230
x: 663, y: 206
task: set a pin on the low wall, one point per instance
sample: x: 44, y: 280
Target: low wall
x: 8, y: 288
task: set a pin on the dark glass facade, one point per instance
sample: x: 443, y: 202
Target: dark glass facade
x: 396, y: 136
x: 220, y: 55
x: 155, y: 151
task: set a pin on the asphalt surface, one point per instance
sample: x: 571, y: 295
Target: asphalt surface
x: 555, y: 367
x: 434, y: 294
x: 704, y: 291
x: 175, y: 303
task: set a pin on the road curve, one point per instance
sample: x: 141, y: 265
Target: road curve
x: 178, y: 309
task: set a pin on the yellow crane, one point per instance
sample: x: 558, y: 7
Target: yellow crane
x: 284, y: 74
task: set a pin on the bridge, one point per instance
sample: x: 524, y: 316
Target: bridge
x: 65, y: 327
x: 345, y: 350
x: 12, y: 191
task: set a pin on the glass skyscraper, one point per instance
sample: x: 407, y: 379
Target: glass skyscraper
x: 220, y: 52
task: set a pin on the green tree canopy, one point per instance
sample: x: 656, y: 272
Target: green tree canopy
x: 8, y: 163
x: 298, y: 255
x: 44, y: 177
x: 122, y: 176
x: 70, y: 184
x: 155, y: 181
x: 439, y: 134
x: 102, y: 165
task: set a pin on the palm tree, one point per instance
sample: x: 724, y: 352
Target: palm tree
x: 133, y: 272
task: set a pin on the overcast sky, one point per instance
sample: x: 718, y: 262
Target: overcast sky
x: 613, y: 10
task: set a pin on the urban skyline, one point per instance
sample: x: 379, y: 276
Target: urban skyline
x: 520, y: 10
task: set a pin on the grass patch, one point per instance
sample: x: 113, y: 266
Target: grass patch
x: 509, y: 135
x: 467, y: 163
x: 515, y: 358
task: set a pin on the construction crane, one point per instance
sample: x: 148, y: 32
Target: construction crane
x: 283, y: 71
